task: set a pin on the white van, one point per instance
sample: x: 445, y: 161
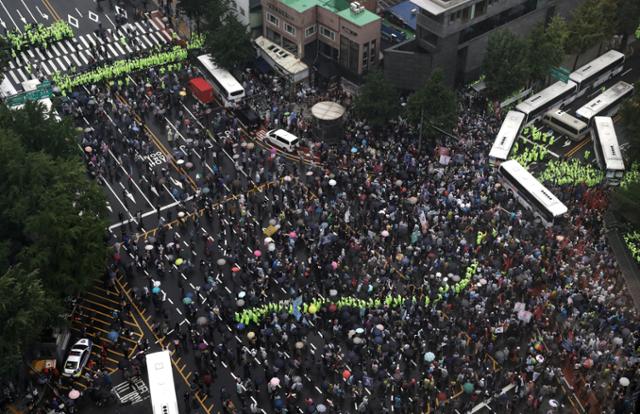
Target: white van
x: 283, y: 139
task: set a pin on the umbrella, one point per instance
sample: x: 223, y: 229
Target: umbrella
x: 624, y: 381
x: 148, y: 247
x: 398, y: 183
x: 268, y: 240
x: 287, y: 178
x: 179, y: 261
x: 88, y: 149
x: 468, y: 387
x: 155, y: 290
x: 205, y: 190
x: 384, y: 233
x: 113, y: 336
x: 309, y: 173
x: 180, y: 162
x: 346, y: 374
x: 378, y: 340
x: 588, y: 363
x: 202, y: 320
x: 293, y: 234
x: 278, y: 403
x: 240, y: 303
x: 617, y: 340
x: 354, y: 150
x: 250, y: 145
x: 357, y: 340
x: 321, y: 408
x: 299, y: 345
x: 333, y: 292
x: 412, y: 200
x: 360, y: 331
x: 240, y: 326
x: 221, y: 262
x: 271, y: 247
x: 235, y: 269
x: 380, y: 327
x: 334, y: 265
x: 332, y: 182
x: 242, y: 294
x: 257, y: 253
x: 274, y: 382
x: 429, y: 356
x: 189, y: 165
x: 187, y: 301
x: 74, y: 394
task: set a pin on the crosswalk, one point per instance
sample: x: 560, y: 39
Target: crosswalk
x: 77, y: 52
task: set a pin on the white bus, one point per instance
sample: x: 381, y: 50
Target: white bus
x: 598, y: 71
x: 566, y: 124
x: 607, y: 103
x: 607, y: 150
x: 161, y: 387
x: 554, y: 96
x: 509, y: 131
x: 225, y: 86
x: 530, y: 192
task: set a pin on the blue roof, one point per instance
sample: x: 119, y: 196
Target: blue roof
x: 403, y: 12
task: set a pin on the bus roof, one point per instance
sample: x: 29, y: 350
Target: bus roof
x: 533, y: 186
x: 566, y: 118
x: 600, y: 102
x: 595, y: 66
x: 544, y: 96
x: 507, y: 135
x: 161, y: 387
x: 223, y: 76
x: 606, y: 134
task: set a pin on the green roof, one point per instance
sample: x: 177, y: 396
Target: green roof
x: 339, y: 7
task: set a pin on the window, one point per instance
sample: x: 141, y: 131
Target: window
x: 329, y: 34
x: 310, y: 31
x: 481, y: 8
x: 373, y: 51
x: 273, y: 19
x: 289, y: 29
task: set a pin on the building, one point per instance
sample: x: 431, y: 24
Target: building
x: 249, y: 13
x: 343, y: 32
x: 453, y: 35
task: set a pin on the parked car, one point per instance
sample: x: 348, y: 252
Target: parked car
x: 78, y: 357
x: 248, y: 117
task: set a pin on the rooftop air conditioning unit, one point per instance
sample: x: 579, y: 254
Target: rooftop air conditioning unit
x: 356, y: 7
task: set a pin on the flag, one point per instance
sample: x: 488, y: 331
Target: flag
x: 297, y: 302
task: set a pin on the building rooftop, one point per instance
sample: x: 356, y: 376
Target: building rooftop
x: 339, y: 7
x: 438, y: 7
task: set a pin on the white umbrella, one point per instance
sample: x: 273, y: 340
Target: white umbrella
x: 624, y: 381
x: 181, y: 214
x: 274, y: 382
x: 221, y: 262
x: 332, y: 182
x: 148, y: 247
x: 271, y: 247
x: 157, y: 283
x: 268, y: 240
x: 385, y: 233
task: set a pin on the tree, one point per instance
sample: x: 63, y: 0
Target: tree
x: 505, y: 64
x: 627, y: 18
x: 24, y: 309
x: 5, y: 55
x: 194, y: 9
x: 545, y: 48
x: 626, y: 202
x: 435, y: 104
x: 52, y: 218
x: 631, y: 119
x: 377, y: 100
x: 592, y: 22
x: 226, y: 38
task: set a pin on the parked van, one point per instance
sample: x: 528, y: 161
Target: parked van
x: 283, y: 139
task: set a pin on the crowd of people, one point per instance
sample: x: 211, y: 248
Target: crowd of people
x: 379, y: 278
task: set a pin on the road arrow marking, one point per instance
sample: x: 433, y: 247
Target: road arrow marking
x: 21, y: 17
x: 130, y: 196
x: 3, y: 23
x: 566, y: 144
x: 44, y: 16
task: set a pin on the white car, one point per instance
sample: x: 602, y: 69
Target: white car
x: 78, y: 357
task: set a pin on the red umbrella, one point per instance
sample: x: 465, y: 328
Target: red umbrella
x: 257, y: 253
x: 235, y: 269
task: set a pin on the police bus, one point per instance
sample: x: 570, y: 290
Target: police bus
x: 509, y: 131
x: 607, y: 150
x: 161, y: 386
x: 531, y: 193
x: 225, y: 86
x: 607, y: 103
x: 554, y: 96
x: 566, y: 124
x: 598, y: 71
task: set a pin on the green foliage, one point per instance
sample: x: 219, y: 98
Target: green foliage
x: 632, y: 240
x: 545, y: 48
x: 52, y: 221
x: 436, y: 102
x: 377, y: 100
x: 227, y: 39
x: 505, y: 64
x: 631, y: 119
x: 593, y: 21
x: 24, y: 309
x: 626, y: 202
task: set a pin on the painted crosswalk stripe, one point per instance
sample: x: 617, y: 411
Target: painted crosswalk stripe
x: 148, y: 42
x: 13, y: 76
x: 22, y: 75
x: 64, y: 51
x: 84, y: 42
x: 154, y: 36
x: 59, y: 61
x: 127, y: 48
x: 75, y: 60
x: 140, y: 28
x: 40, y: 53
x: 98, y: 38
x: 11, y: 65
x: 155, y: 26
x: 66, y: 59
x: 112, y: 50
x: 55, y: 50
x: 88, y: 40
x: 48, y: 53
x: 120, y: 49
x: 31, y: 53
x: 24, y: 57
x: 69, y: 46
x: 46, y: 69
x: 84, y: 59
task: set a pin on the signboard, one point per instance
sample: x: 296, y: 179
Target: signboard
x: 41, y: 91
x: 561, y: 74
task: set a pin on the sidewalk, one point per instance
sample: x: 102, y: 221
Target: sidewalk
x: 627, y: 266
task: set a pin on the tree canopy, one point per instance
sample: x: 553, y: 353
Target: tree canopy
x: 52, y: 220
x: 377, y: 100
x: 434, y: 103
x: 505, y: 64
x: 226, y: 38
x: 545, y: 47
x: 631, y: 119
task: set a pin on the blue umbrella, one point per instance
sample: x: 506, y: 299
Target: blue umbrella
x: 378, y: 340
x: 187, y: 301
x: 112, y: 336
x: 354, y: 150
x: 155, y: 290
x: 240, y: 326
x: 429, y: 356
